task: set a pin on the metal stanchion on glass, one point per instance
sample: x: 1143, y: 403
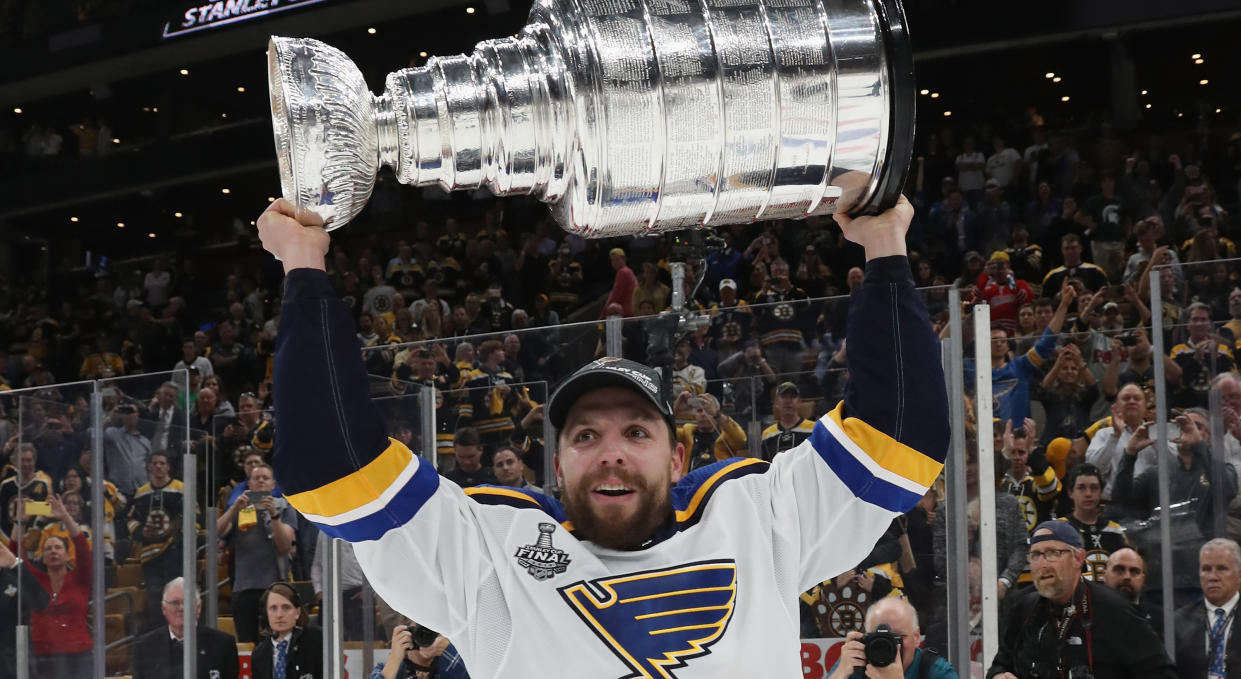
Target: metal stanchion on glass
x: 1161, y: 434
x: 612, y: 338
x: 986, y: 485
x: 958, y: 585
x: 98, y: 586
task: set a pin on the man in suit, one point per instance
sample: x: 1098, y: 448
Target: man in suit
x: 1206, y: 645
x: 159, y: 651
x: 1126, y: 573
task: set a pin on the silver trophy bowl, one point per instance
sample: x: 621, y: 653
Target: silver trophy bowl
x: 628, y: 117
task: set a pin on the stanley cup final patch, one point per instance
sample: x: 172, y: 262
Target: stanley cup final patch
x: 542, y: 560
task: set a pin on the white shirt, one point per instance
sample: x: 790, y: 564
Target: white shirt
x: 1002, y: 166
x: 1106, y: 451
x: 1228, y: 607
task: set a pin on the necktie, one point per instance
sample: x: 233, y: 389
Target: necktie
x: 1217, y: 644
x: 281, y: 649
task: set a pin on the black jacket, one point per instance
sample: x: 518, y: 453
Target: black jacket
x: 33, y: 598
x: 157, y: 655
x: 1191, y: 643
x: 304, y: 659
x: 1121, y: 643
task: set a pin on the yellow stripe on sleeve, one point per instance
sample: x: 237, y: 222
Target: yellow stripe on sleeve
x: 353, y: 491
x: 889, y: 453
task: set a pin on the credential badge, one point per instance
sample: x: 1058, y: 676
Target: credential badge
x: 541, y: 560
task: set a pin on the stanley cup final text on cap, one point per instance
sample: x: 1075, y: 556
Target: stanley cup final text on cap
x: 626, y: 116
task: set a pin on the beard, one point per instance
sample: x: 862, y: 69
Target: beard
x: 614, y: 527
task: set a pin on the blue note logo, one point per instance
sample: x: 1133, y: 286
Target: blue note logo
x: 655, y: 621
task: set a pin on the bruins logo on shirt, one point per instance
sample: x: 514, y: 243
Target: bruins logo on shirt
x: 1095, y: 566
x: 656, y: 621
x: 1028, y: 511
x: 784, y: 312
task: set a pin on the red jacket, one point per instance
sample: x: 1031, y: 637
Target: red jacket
x: 1004, y: 298
x: 61, y: 627
x: 622, y: 292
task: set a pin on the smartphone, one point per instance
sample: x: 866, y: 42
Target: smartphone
x: 257, y: 496
x: 695, y: 402
x: 1129, y: 339
x: 37, y: 508
x: 1117, y: 291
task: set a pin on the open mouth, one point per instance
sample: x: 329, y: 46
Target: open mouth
x: 612, y: 490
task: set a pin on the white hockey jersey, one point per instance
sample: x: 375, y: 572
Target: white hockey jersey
x: 500, y: 572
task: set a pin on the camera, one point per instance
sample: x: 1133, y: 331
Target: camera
x: 882, y: 646
x: 1129, y: 339
x: 422, y: 637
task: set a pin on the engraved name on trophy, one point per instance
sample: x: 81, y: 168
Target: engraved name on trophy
x: 626, y: 116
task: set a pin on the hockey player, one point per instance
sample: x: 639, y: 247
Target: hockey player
x: 643, y: 571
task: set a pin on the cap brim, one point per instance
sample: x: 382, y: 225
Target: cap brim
x: 578, y: 385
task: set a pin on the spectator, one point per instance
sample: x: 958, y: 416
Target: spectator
x: 378, y: 298
x: 564, y: 281
x: 779, y: 312
x: 1099, y: 535
x: 155, y: 524
x: 430, y: 297
x: 956, y: 224
x: 1148, y: 232
x: 352, y: 581
x: 1201, y: 357
x: 1190, y: 478
x: 28, y: 483
x: 1011, y: 379
x: 651, y: 289
x: 59, y: 633
x: 159, y: 651
x: 1108, y: 443
x: 730, y: 320
x: 170, y: 420
x: 489, y: 399
x: 1042, y: 211
x: 260, y: 530
x: 623, y: 286
x: 1126, y: 573
x: 408, y: 660
x: 126, y: 450
x: 1025, y: 258
x: 1029, y: 477
x: 190, y: 358
x: 1035, y: 634
x: 227, y: 356
x: 901, y: 619
x: 790, y: 428
x: 812, y: 275
x: 291, y: 646
x: 102, y: 363
x: 970, y: 165
x: 994, y: 217
x: 250, y: 458
x: 1140, y: 369
x: 1067, y: 393
x: 1002, y: 291
x: 1111, y: 217
x: 686, y: 377
x: 157, y: 282
x: 1010, y: 531
x: 16, y: 578
x: 496, y: 311
x: 1206, y: 642
x: 35, y: 539
x: 712, y: 436
x: 509, y: 470
x: 1091, y: 276
x: 750, y: 377
x: 468, y: 452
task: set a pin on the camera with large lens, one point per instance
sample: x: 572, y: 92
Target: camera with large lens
x: 882, y: 646
x: 422, y: 637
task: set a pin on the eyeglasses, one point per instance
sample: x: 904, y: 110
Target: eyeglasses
x: 1051, y: 555
x: 174, y: 604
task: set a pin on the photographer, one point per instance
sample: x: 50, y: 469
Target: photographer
x: 1069, y: 628
x: 751, y: 379
x: 419, y: 652
x: 260, y: 529
x: 901, y: 623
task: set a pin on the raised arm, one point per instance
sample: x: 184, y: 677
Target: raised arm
x: 896, y: 383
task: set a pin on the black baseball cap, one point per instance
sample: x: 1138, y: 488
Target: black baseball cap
x: 608, y: 372
x: 786, y: 387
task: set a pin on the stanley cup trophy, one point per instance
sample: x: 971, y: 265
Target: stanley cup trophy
x: 627, y: 116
